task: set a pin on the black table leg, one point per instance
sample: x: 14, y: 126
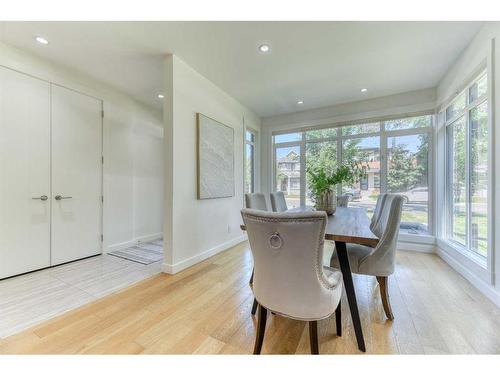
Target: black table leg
x: 351, y: 294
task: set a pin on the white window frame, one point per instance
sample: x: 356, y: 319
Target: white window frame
x: 254, y: 144
x: 478, y: 259
x: 383, y: 135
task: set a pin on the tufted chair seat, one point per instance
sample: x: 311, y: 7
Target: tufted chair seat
x: 356, y: 254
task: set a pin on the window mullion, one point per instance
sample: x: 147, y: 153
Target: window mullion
x: 383, y: 158
x: 468, y: 186
x: 449, y: 180
x: 339, y: 156
x: 303, y: 170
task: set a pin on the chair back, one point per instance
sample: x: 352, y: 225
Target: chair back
x: 376, y: 212
x: 278, y: 202
x: 383, y: 259
x: 256, y: 201
x: 342, y: 200
x: 287, y: 249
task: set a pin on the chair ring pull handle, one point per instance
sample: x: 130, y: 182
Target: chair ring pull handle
x: 275, y: 241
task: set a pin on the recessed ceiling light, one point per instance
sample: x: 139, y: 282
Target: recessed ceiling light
x: 264, y: 48
x: 161, y: 96
x: 41, y: 40
x: 300, y: 102
x: 364, y: 90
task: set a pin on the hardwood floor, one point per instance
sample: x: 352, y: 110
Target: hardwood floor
x: 206, y: 309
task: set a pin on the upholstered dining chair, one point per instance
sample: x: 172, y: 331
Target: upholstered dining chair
x: 256, y: 201
x: 290, y: 279
x: 378, y: 208
x: 342, y: 200
x: 278, y: 202
x: 379, y: 261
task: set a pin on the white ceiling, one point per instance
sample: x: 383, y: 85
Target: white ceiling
x: 321, y: 63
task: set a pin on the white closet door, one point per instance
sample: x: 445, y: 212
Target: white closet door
x: 76, y: 175
x: 24, y: 173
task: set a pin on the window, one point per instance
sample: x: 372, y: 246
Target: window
x: 408, y: 175
x: 289, y: 137
x: 250, y: 139
x: 409, y: 123
x: 395, y: 154
x: 320, y: 154
x: 365, y: 150
x: 288, y: 174
x: 467, y: 168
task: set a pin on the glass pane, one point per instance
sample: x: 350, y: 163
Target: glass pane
x: 361, y: 129
x: 290, y: 137
x: 319, y: 155
x: 407, y: 175
x: 478, y: 89
x: 457, y: 143
x: 250, y: 136
x: 321, y: 133
x: 479, y: 178
x: 454, y: 108
x: 409, y: 123
x: 367, y: 151
x: 249, y: 168
x: 288, y: 174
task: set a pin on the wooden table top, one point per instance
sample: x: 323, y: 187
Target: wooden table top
x: 348, y: 224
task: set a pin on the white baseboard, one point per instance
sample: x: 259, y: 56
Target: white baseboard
x: 132, y: 242
x: 182, y: 265
x: 418, y: 247
x: 488, y: 290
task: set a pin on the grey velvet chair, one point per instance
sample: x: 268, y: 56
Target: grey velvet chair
x: 376, y: 212
x: 256, y: 201
x: 379, y: 261
x: 342, y: 200
x: 290, y: 279
x: 278, y: 202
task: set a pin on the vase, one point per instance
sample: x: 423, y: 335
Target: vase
x: 327, y: 201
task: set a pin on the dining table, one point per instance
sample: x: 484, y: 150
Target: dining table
x: 348, y: 225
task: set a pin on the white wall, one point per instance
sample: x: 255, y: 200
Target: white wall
x: 148, y: 175
x: 485, y: 48
x: 198, y: 228
x: 132, y: 143
x: 409, y: 102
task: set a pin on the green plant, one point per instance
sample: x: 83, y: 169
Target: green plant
x: 320, y: 181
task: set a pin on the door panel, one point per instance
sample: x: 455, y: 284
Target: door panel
x: 76, y: 175
x: 24, y: 173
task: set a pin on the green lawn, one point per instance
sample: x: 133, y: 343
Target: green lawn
x: 414, y: 216
x: 482, y: 223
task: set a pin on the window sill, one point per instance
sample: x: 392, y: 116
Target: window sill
x: 417, y: 238
x: 475, y: 265
x: 479, y: 260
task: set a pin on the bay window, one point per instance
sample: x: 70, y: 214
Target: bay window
x: 395, y: 153
x: 466, y: 121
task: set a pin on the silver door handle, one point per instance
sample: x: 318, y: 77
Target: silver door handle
x: 42, y: 198
x: 59, y: 197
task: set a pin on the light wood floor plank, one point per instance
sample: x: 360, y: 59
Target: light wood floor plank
x: 206, y: 310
